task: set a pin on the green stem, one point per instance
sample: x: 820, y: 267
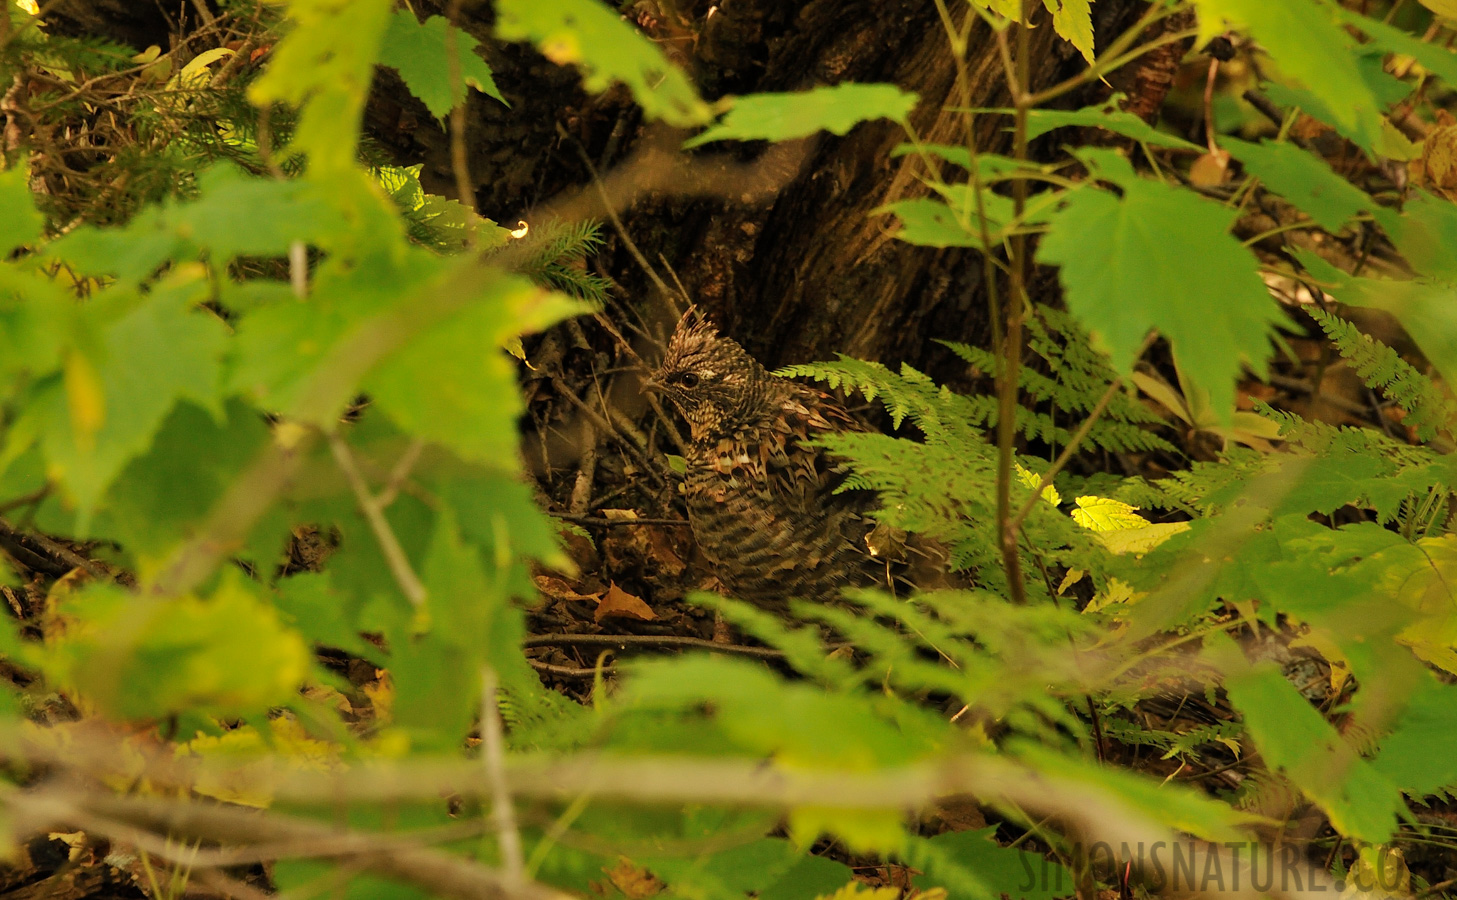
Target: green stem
x: 960, y: 41
x: 1117, y: 54
x: 458, y: 159
x: 1020, y: 77
x: 1074, y: 442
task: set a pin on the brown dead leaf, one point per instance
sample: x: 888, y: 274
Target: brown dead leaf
x: 1309, y: 128
x: 581, y: 551
x: 559, y: 589
x: 1210, y: 170
x: 1437, y: 167
x: 1250, y: 391
x: 381, y: 696
x: 642, y: 548
x: 633, y: 880
x: 662, y: 552
x: 617, y: 602
x: 958, y: 814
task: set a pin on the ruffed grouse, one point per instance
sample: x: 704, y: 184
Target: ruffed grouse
x: 761, y: 498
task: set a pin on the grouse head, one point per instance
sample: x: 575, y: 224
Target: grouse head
x: 712, y: 381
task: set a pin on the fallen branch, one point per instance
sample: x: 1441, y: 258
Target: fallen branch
x: 394, y: 857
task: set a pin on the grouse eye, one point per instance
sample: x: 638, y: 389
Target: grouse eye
x: 689, y: 380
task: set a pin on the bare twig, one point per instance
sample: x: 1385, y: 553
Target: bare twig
x: 1116, y: 54
x: 652, y: 399
x: 400, y: 473
x: 298, y: 269
x: 369, y: 505
x: 1208, y: 107
x: 392, y: 856
x: 232, y: 517
x: 586, y: 471
x: 1019, y: 80
x: 503, y: 812
x: 55, y: 548
x: 203, y: 12
x: 1306, y: 387
x: 235, y: 62
x: 618, y: 523
x: 568, y: 671
x: 458, y: 161
x: 1075, y: 441
x: 637, y: 448
x: 230, y: 888
x: 672, y: 641
x: 627, y: 240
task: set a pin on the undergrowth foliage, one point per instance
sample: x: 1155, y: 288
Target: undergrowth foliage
x: 1426, y: 407
x: 1057, y: 401
x: 237, y: 339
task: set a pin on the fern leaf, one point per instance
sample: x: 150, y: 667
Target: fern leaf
x: 1382, y: 369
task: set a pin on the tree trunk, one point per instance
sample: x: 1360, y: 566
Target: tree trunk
x: 810, y: 272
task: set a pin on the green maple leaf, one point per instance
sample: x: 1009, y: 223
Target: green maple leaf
x: 419, y: 51
x: 1160, y: 258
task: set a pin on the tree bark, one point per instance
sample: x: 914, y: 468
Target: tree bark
x: 810, y: 272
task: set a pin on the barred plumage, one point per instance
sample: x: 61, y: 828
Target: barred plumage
x: 761, y: 497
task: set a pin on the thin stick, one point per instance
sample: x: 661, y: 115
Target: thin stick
x: 503, y: 812
x: 604, y: 426
x: 298, y: 269
x: 653, y: 401
x: 618, y: 523
x: 56, y: 549
x: 627, y: 240
x: 227, y: 525
x: 437, y: 871
x: 400, y: 472
x: 369, y: 505
x: 1209, y: 105
x: 1020, y: 79
x: 30, y: 499
x: 623, y: 641
x: 1117, y: 54
x: 569, y: 671
x: 202, y: 10
x: 458, y: 162
x: 586, y: 471
x: 1075, y: 441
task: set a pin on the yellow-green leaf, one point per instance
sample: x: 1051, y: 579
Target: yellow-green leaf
x: 1445, y: 8
x: 1139, y: 541
x: 1073, y: 20
x: 1031, y: 479
x: 145, y: 657
x: 595, y: 39
x: 1107, y: 514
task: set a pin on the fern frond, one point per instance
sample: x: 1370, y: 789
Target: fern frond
x: 1323, y: 439
x: 939, y: 413
x: 1190, y: 490
x: 1382, y: 369
x: 1077, y: 378
x: 558, y: 249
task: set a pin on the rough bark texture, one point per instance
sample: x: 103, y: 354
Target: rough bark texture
x: 136, y: 24
x: 810, y: 273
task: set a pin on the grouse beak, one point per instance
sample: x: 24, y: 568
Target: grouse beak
x: 652, y: 385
